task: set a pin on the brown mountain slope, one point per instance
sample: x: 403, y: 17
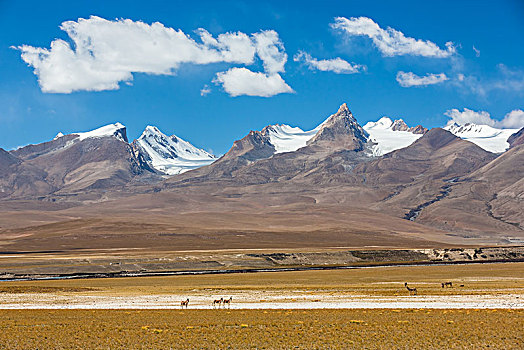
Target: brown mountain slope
x: 437, y: 155
x: 489, y: 201
x: 330, y: 193
x: 68, y: 165
x: 20, y: 179
x: 516, y: 139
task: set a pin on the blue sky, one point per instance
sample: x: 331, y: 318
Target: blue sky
x: 205, y: 96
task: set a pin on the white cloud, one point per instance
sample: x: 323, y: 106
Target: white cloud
x: 337, y: 65
x: 512, y: 120
x: 205, y: 90
x: 242, y: 81
x: 389, y: 41
x: 270, y: 50
x: 105, y: 53
x: 469, y: 116
x: 410, y: 79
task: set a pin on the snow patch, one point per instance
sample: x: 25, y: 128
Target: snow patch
x: 487, y: 137
x: 286, y: 138
x: 386, y: 139
x: 104, y: 131
x: 171, y: 154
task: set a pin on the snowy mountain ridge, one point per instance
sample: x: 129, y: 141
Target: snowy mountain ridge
x: 388, y: 135
x: 117, y: 130
x: 487, y: 137
x: 171, y: 154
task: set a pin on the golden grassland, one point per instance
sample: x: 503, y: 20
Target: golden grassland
x: 477, y: 279
x: 262, y: 329
x: 276, y: 329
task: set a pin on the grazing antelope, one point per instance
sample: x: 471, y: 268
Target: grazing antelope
x: 447, y: 284
x: 184, y: 303
x: 228, y: 302
x: 410, y: 290
x: 218, y: 302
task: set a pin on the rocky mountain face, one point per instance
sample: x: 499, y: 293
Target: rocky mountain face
x: 101, y: 159
x: 254, y: 159
x: 400, y: 125
x: 435, y: 182
x: 340, y: 131
x: 516, y: 138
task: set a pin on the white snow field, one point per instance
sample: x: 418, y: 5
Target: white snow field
x: 286, y: 138
x: 489, y: 138
x: 387, y: 139
x: 171, y: 154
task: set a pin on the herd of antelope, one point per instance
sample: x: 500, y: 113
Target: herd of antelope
x: 216, y: 303
x: 413, y: 291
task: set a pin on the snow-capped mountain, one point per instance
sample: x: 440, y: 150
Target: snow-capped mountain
x: 116, y: 130
x: 170, y: 154
x: 489, y: 138
x: 391, y: 135
x: 286, y: 138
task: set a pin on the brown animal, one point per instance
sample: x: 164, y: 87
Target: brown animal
x: 218, y: 302
x: 447, y: 284
x: 228, y: 302
x: 410, y: 290
x: 184, y: 303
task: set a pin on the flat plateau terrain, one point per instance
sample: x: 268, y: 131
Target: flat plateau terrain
x: 349, y: 308
x: 493, y: 285
x: 262, y: 329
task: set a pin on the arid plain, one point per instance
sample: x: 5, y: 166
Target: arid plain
x: 350, y: 308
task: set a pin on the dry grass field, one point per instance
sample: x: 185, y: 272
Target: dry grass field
x: 138, y: 326
x: 262, y: 329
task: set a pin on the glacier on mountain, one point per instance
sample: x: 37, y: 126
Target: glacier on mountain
x: 117, y: 130
x: 487, y: 137
x: 171, y: 154
x: 388, y: 135
x: 286, y: 138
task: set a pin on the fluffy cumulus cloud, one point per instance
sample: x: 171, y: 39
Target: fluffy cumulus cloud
x: 408, y: 79
x: 469, y: 116
x: 271, y: 51
x: 389, y: 41
x: 107, y: 52
x: 242, y: 81
x: 337, y: 65
x: 512, y: 120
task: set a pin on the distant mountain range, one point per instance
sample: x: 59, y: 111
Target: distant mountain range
x: 384, y: 182
x: 171, y: 155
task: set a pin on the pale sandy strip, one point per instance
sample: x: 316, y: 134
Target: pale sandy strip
x: 259, y: 301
